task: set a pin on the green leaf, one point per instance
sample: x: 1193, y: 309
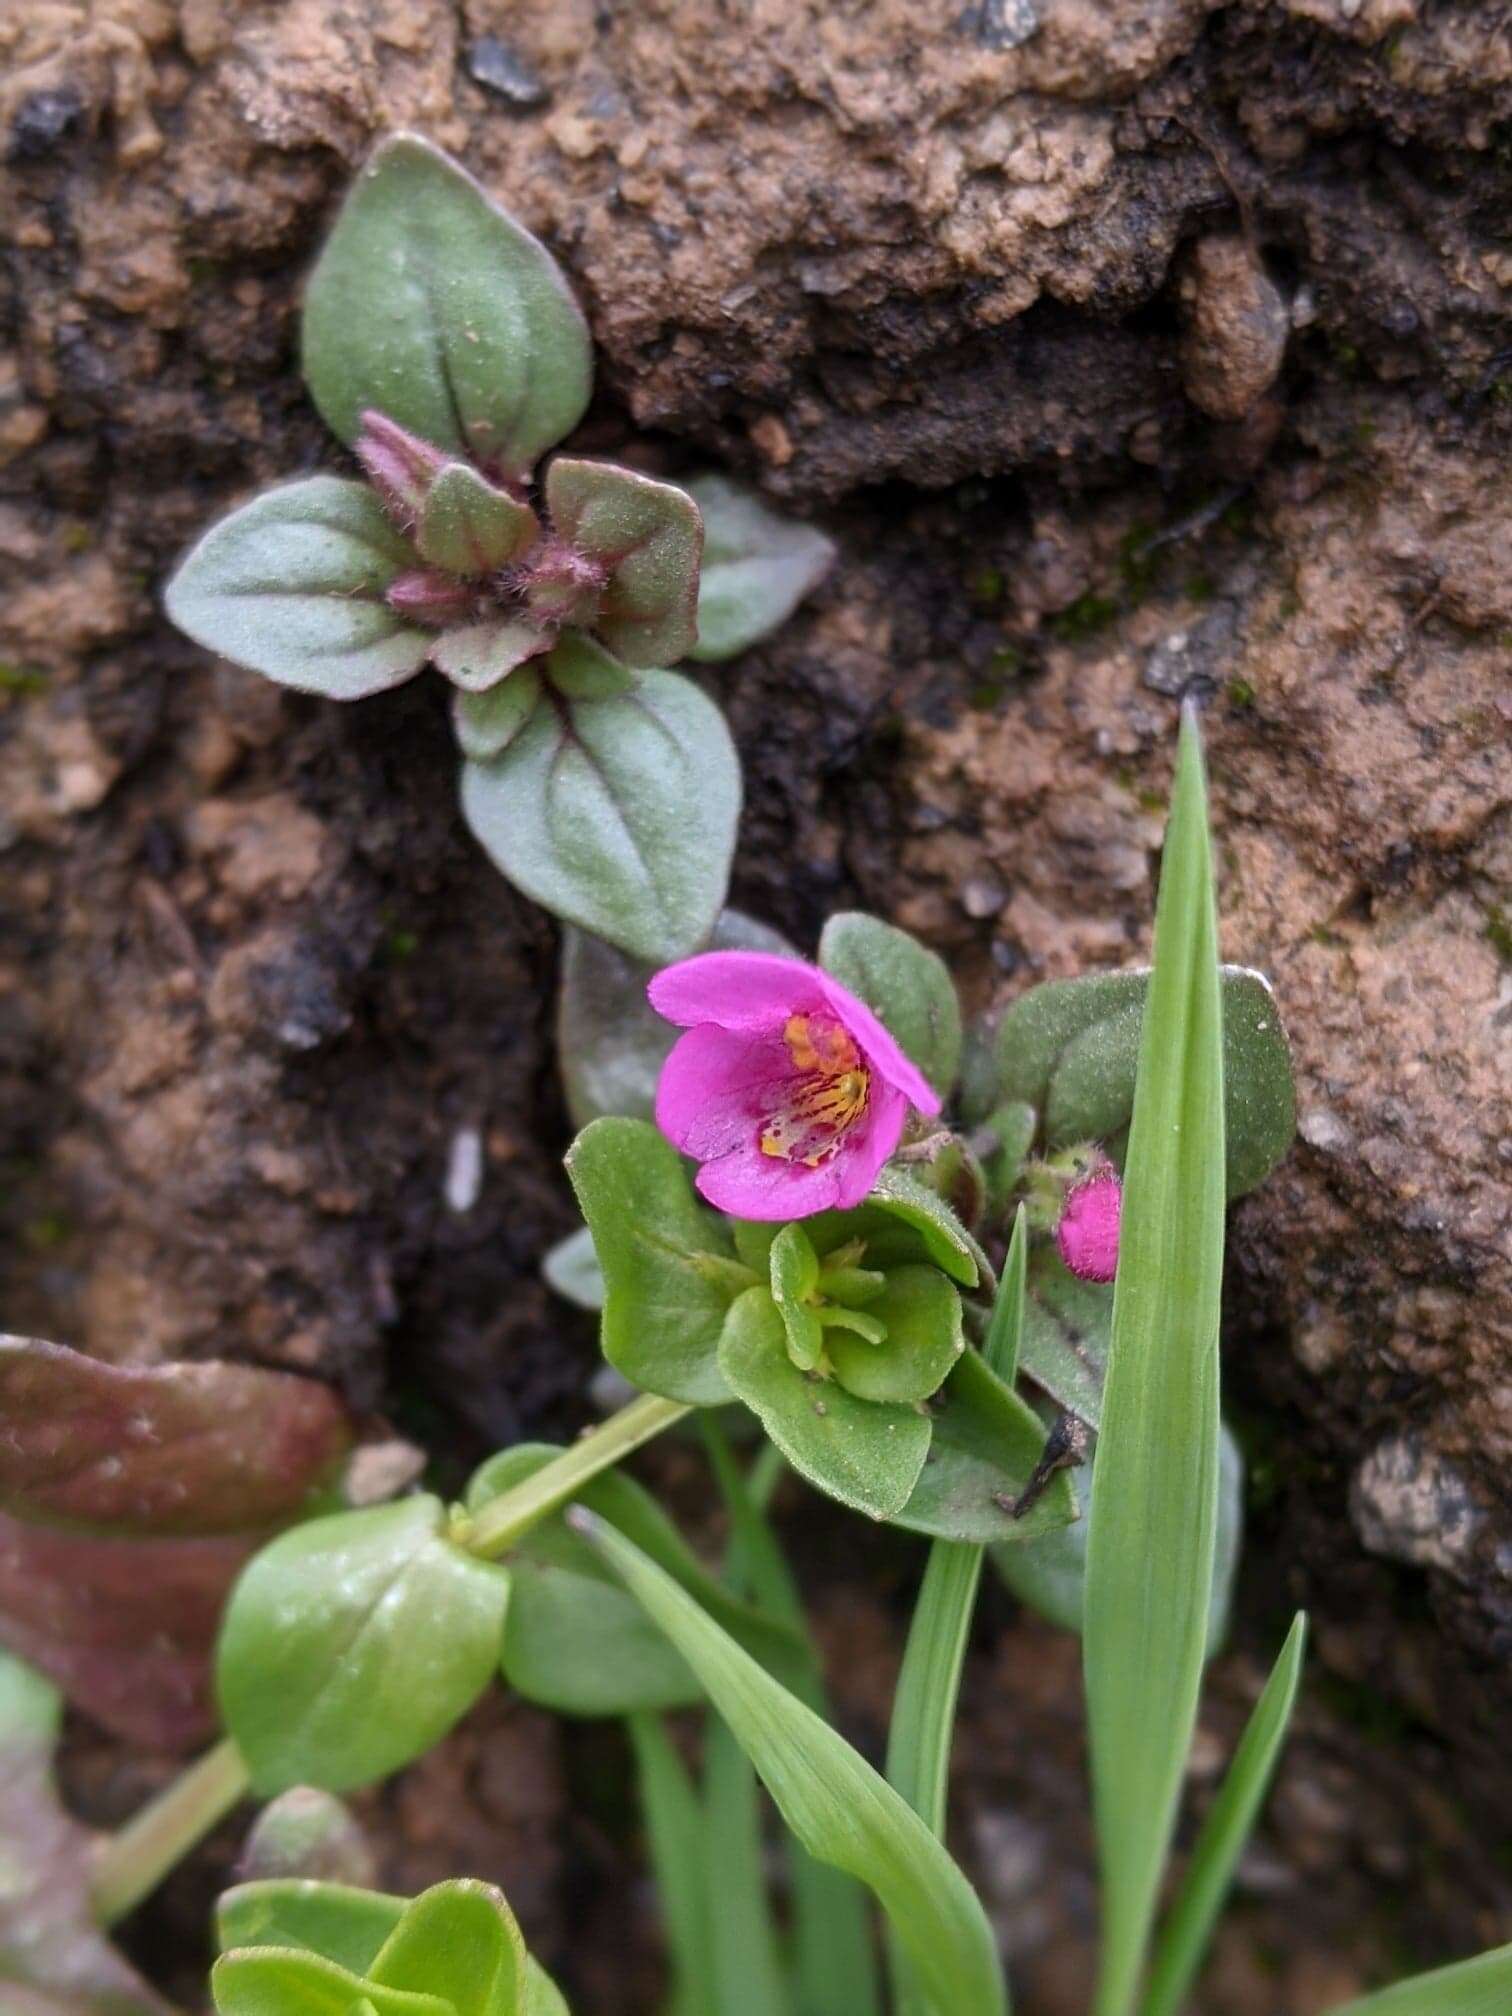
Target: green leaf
x: 1013, y: 1126
x: 432, y: 305
x: 1155, y: 1495
x: 572, y: 1269
x: 793, y: 1268
x: 573, y: 1640
x: 906, y: 986
x: 922, y: 1315
x: 617, y: 815
x: 946, y: 1242
x: 306, y: 1833
x: 267, y: 1981
x: 863, y: 1452
x: 335, y: 1920
x: 580, y: 669
x: 757, y: 568
x: 1069, y: 1049
x: 479, y: 657
x: 669, y: 1271
x: 649, y: 536
x: 679, y: 1861
x: 1049, y: 1574
x: 986, y: 1443
x: 469, y: 527
x: 840, y: 1809
x: 293, y: 584
x: 1478, y: 1987
x: 487, y: 722
x: 746, y: 1965
x: 610, y: 1040
x: 1067, y: 1327
x: 458, y: 1941
x: 1224, y: 1833
x: 353, y: 1643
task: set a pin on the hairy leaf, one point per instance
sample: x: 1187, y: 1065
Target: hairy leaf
x: 757, y: 568
x: 469, y: 527
x: 487, y: 722
x: 480, y: 657
x: 293, y: 585
x: 611, y: 1042
x: 986, y: 1444
x: 670, y: 1273
x: 617, y: 815
x: 353, y: 1643
x: 433, y: 306
x: 649, y: 537
x: 906, y: 985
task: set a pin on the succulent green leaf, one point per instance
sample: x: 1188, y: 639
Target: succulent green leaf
x: 841, y: 1811
x: 921, y: 1313
x: 271, y: 1981
x: 581, y: 669
x: 793, y: 1268
x: 986, y: 1444
x: 670, y: 1273
x: 458, y: 1941
x: 1069, y: 1049
x: 353, y: 1643
x: 469, y: 527
x: 292, y: 585
x: 757, y: 568
x: 1049, y: 1574
x: 487, y: 722
x: 335, y: 1920
x: 618, y: 815
x: 478, y: 657
x: 433, y: 306
x: 1154, y: 1516
x: 574, y: 1640
x: 864, y: 1453
x: 902, y: 1197
x: 649, y: 537
x: 610, y: 1040
x: 572, y: 1269
x: 907, y: 987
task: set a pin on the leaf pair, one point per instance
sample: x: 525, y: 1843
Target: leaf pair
x: 300, y: 1948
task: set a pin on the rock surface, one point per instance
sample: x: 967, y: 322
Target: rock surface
x: 1129, y: 352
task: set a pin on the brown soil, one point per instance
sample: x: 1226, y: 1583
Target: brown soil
x: 1128, y: 351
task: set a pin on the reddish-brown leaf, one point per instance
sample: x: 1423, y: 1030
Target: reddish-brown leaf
x: 187, y: 1449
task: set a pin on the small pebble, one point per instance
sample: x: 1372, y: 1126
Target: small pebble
x: 495, y: 66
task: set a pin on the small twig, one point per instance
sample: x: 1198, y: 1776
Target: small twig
x: 1065, y: 1448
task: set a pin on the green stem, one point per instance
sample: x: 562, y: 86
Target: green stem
x: 133, y: 1862
x: 500, y: 1524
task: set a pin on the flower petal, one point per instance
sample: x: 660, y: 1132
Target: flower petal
x: 748, y: 1184
x: 881, y: 1049
x: 736, y: 990
x: 716, y: 1086
x: 868, y: 1145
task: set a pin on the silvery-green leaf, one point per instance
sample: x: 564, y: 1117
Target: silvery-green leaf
x: 476, y: 656
x: 649, y: 535
x: 432, y: 305
x: 292, y: 585
x: 581, y: 669
x: 487, y: 722
x: 469, y: 527
x: 617, y: 815
x: 572, y: 1269
x: 610, y: 1040
x: 757, y: 567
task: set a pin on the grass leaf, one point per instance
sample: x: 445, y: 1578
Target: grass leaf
x: 1154, y: 1509
x: 1227, y: 1828
x: 675, y: 1837
x: 831, y: 1798
x: 1478, y: 1987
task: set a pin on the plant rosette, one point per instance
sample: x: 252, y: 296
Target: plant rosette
x: 443, y: 346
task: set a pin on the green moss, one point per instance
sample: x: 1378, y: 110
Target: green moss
x: 23, y: 680
x: 1088, y: 616
x: 47, y: 1231
x: 986, y: 585
x: 1241, y: 693
x: 1499, y: 931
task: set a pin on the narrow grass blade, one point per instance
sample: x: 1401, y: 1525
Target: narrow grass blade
x: 834, y: 1962
x: 1479, y: 1987
x: 679, y: 1861
x: 929, y: 1684
x: 746, y: 1962
x: 1184, y: 1941
x: 836, y: 1804
x: 1155, y: 1483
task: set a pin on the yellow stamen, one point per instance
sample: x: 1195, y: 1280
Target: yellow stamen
x: 828, y: 1099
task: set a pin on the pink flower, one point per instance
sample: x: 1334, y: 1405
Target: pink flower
x: 1087, y: 1234
x: 786, y: 1088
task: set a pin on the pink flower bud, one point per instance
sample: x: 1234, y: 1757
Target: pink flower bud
x: 400, y: 466
x: 1087, y: 1234
x: 429, y: 596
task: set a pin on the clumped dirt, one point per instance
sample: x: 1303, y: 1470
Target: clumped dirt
x: 1130, y: 353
